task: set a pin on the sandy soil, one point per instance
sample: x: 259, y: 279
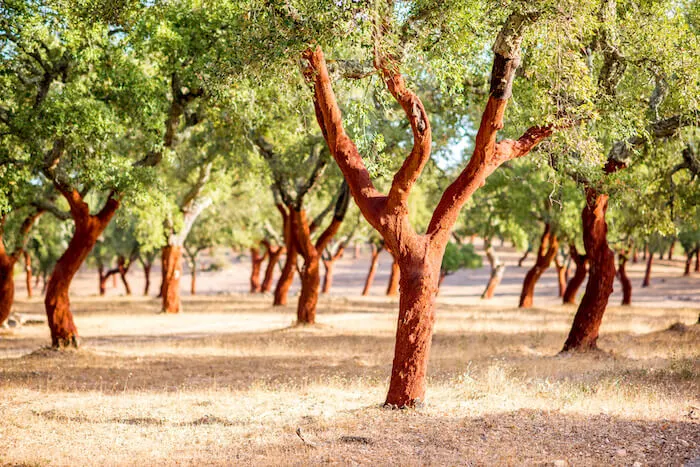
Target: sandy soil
x: 230, y: 382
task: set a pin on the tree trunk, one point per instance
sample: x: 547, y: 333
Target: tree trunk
x: 688, y: 262
x: 561, y: 277
x: 697, y: 260
x: 28, y: 272
x: 498, y: 268
x: 284, y: 283
x: 147, y: 275
x: 123, y: 270
x: 645, y: 253
x: 102, y: 280
x: 647, y: 274
x: 545, y: 254
x: 88, y: 228
x: 372, y: 270
x: 392, y: 289
x: 308, y: 297
x: 419, y: 285
x: 273, y: 258
x: 584, y: 331
x: 624, y: 279
x: 172, y: 273
x: 578, y: 278
x: 523, y: 257
x: 671, y: 248
x: 7, y: 283
x: 256, y: 260
x: 635, y: 254
x: 193, y: 282
x: 327, y: 276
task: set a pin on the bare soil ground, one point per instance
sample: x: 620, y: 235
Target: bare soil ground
x: 231, y: 382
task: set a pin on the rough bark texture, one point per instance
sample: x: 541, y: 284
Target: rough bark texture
x: 374, y: 260
x: 584, y: 331
x: 624, y: 279
x: 7, y: 283
x: 256, y: 260
x: 88, y: 228
x: 498, y: 268
x: 393, y: 288
x: 172, y: 273
x: 290, y: 263
x: 647, y: 273
x: 419, y: 256
x: 579, y: 276
x: 311, y: 252
x: 273, y: 257
x: 549, y: 244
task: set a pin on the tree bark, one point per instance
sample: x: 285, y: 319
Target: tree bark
x: 688, y: 263
x: 147, y: 275
x: 329, y: 264
x: 419, y: 286
x: 697, y: 260
x: 28, y: 272
x: 635, y: 254
x: 624, y: 279
x: 578, y: 277
x: 193, y: 281
x: 372, y: 270
x: 7, y: 283
x: 393, y: 288
x: 647, y: 273
x: 256, y: 260
x: 561, y: 276
x: 172, y: 273
x: 549, y: 245
x: 311, y: 252
x: 523, y: 257
x: 671, y: 248
x: 584, y: 331
x: 498, y: 268
x: 88, y: 228
x: 274, y: 254
x: 123, y: 269
x: 284, y: 283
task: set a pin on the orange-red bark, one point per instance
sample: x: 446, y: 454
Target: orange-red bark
x: 88, y: 228
x: 549, y: 245
x: 286, y: 278
x: 374, y: 260
x: 172, y: 273
x: 584, y: 331
x: 329, y: 264
x: 28, y: 273
x: 256, y: 260
x: 624, y: 279
x: 579, y: 276
x: 274, y: 254
x: 392, y: 288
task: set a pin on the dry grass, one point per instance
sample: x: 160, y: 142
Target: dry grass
x: 229, y: 382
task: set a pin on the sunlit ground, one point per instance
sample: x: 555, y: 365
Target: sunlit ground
x: 230, y: 382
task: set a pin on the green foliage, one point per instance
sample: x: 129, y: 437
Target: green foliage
x: 459, y: 257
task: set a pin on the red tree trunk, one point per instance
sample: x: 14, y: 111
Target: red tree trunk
x: 578, y: 277
x: 561, y: 277
x: 392, y: 289
x: 87, y: 230
x: 273, y: 258
x: 635, y: 254
x: 545, y: 254
x: 419, y: 286
x: 372, y: 270
x: 671, y: 248
x: 7, y: 283
x: 256, y: 260
x: 327, y: 276
x: 697, y: 260
x: 172, y: 273
x: 123, y: 270
x: 624, y: 279
x: 102, y: 278
x: 28, y: 272
x: 523, y: 258
x: 584, y: 331
x: 284, y: 283
x: 647, y: 273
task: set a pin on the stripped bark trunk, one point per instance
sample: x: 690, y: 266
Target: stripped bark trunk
x: 419, y: 256
x: 256, y: 260
x: 329, y: 264
x: 172, y: 273
x: 561, y: 275
x: 584, y: 331
x: 671, y: 249
x: 374, y: 259
x: 697, y: 260
x: 579, y: 276
x: 274, y: 254
x: 498, y: 268
x: 549, y: 244
x: 290, y: 263
x: 7, y: 282
x: 88, y: 228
